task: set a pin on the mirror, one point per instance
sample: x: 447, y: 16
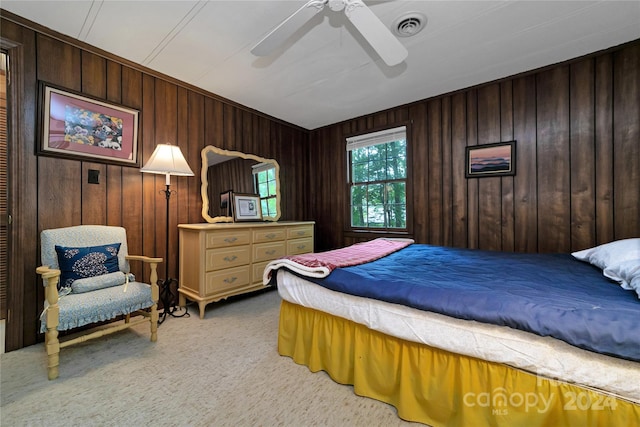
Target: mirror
x: 224, y: 171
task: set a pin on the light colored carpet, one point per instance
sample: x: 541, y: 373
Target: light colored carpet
x: 223, y: 370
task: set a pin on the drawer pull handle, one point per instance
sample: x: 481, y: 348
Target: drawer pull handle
x: 230, y: 258
x: 302, y: 246
x: 301, y: 233
x: 230, y: 279
x: 271, y: 252
x: 271, y: 236
x: 230, y: 239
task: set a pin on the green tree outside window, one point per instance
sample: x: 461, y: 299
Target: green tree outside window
x: 265, y: 183
x: 379, y: 185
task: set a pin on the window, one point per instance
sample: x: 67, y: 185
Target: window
x: 378, y: 179
x: 264, y: 181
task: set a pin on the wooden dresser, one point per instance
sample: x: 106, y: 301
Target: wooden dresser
x: 225, y: 259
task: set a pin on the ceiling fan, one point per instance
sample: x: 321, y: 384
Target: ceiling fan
x: 366, y: 22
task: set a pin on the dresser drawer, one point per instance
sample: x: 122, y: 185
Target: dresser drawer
x: 300, y: 231
x: 228, y: 238
x: 226, y: 279
x: 227, y: 257
x: 268, y: 251
x: 273, y: 235
x: 299, y: 246
x: 258, y: 271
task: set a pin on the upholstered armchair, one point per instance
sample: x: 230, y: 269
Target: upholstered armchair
x: 85, y: 270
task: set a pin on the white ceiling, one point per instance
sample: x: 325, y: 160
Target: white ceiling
x: 326, y: 72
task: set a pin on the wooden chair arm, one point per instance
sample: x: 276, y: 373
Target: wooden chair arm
x: 153, y: 278
x: 143, y: 259
x: 47, y: 272
x: 52, y: 277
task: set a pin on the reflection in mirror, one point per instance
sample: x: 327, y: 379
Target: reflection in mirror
x: 224, y: 171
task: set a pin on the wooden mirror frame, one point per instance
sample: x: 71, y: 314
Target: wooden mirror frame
x: 205, y: 182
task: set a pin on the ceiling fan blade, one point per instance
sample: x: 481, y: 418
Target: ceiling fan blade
x: 282, y: 32
x: 376, y: 33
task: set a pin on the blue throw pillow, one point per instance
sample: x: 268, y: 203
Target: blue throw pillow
x: 79, y: 263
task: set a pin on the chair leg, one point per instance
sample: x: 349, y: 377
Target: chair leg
x: 155, y: 294
x: 154, y: 323
x: 51, y: 334
x: 53, y: 352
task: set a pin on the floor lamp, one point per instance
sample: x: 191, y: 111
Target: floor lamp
x: 167, y: 160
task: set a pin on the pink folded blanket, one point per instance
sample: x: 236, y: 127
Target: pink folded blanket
x: 320, y: 264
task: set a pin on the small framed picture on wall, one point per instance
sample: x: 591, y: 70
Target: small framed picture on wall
x: 487, y: 160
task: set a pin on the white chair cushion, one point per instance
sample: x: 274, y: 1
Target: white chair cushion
x: 100, y: 305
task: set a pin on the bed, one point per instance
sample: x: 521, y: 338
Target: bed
x: 556, y: 341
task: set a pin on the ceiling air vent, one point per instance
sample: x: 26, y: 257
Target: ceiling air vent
x: 409, y: 24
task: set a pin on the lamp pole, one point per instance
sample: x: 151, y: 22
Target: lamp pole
x: 168, y: 160
x: 166, y: 295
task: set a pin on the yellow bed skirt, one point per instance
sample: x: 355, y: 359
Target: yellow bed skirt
x: 437, y: 387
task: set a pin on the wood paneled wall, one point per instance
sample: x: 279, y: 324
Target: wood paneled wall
x: 577, y: 181
x: 49, y: 192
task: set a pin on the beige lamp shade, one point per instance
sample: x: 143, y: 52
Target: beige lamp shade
x: 167, y: 159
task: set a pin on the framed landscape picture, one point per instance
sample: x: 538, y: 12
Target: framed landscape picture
x: 489, y: 160
x: 75, y: 126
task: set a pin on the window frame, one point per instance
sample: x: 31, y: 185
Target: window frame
x: 408, y: 230
x: 256, y: 170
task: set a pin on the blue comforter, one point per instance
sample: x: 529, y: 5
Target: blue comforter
x: 547, y: 294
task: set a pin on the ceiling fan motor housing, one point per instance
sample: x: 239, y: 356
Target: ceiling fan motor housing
x: 336, y: 5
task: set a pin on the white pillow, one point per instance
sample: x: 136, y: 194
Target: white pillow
x: 627, y: 273
x: 94, y: 283
x: 610, y: 254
